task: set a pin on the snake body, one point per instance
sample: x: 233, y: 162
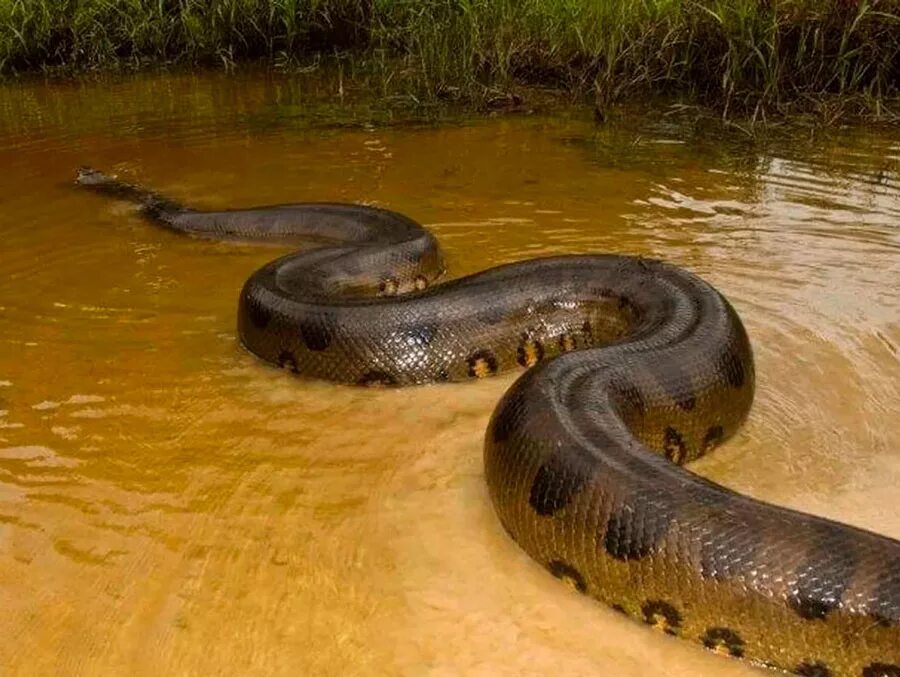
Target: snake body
x: 633, y: 367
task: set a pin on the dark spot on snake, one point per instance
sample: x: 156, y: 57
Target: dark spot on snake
x: 588, y: 332
x: 567, y: 343
x: 712, y: 437
x: 686, y: 402
x: 287, y: 360
x: 724, y: 639
x: 881, y: 619
x: 661, y: 615
x: 482, y: 363
x: 881, y: 670
x: 674, y: 447
x: 733, y: 368
x: 567, y: 572
x: 529, y: 352
x: 819, y: 583
x: 629, y: 538
x: 817, y: 669
x: 619, y: 608
x: 377, y: 378
x: 315, y: 335
x: 555, y: 485
x: 259, y: 315
x: 811, y: 609
x: 443, y: 376
x: 624, y: 303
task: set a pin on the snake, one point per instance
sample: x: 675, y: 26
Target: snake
x: 631, y: 368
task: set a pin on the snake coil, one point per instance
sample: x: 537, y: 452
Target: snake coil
x: 633, y: 368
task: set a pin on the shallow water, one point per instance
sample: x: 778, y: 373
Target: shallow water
x: 169, y: 505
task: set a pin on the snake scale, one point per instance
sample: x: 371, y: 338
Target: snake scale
x: 633, y: 368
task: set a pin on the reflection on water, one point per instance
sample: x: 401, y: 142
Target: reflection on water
x: 170, y: 505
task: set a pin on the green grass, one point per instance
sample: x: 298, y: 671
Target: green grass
x: 752, y: 55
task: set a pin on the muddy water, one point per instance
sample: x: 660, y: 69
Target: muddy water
x: 169, y: 505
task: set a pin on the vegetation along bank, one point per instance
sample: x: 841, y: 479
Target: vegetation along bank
x: 756, y: 56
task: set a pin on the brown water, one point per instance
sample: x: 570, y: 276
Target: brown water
x: 169, y: 505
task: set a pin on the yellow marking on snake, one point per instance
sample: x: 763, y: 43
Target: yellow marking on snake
x: 389, y: 287
x: 531, y: 353
x: 660, y: 622
x: 481, y: 368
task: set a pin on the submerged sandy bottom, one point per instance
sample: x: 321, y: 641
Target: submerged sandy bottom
x: 170, y: 505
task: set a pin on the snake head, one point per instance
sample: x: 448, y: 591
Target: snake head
x: 87, y: 176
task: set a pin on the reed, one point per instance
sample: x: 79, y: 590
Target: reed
x: 755, y: 55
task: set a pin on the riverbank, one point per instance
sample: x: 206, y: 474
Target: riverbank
x: 746, y: 57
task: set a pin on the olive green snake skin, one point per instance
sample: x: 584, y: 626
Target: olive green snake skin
x: 633, y: 367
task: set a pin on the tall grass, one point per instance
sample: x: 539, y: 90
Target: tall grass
x: 754, y: 54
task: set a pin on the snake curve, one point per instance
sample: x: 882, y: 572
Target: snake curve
x: 633, y: 368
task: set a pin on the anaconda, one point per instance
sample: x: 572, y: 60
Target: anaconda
x: 633, y: 367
